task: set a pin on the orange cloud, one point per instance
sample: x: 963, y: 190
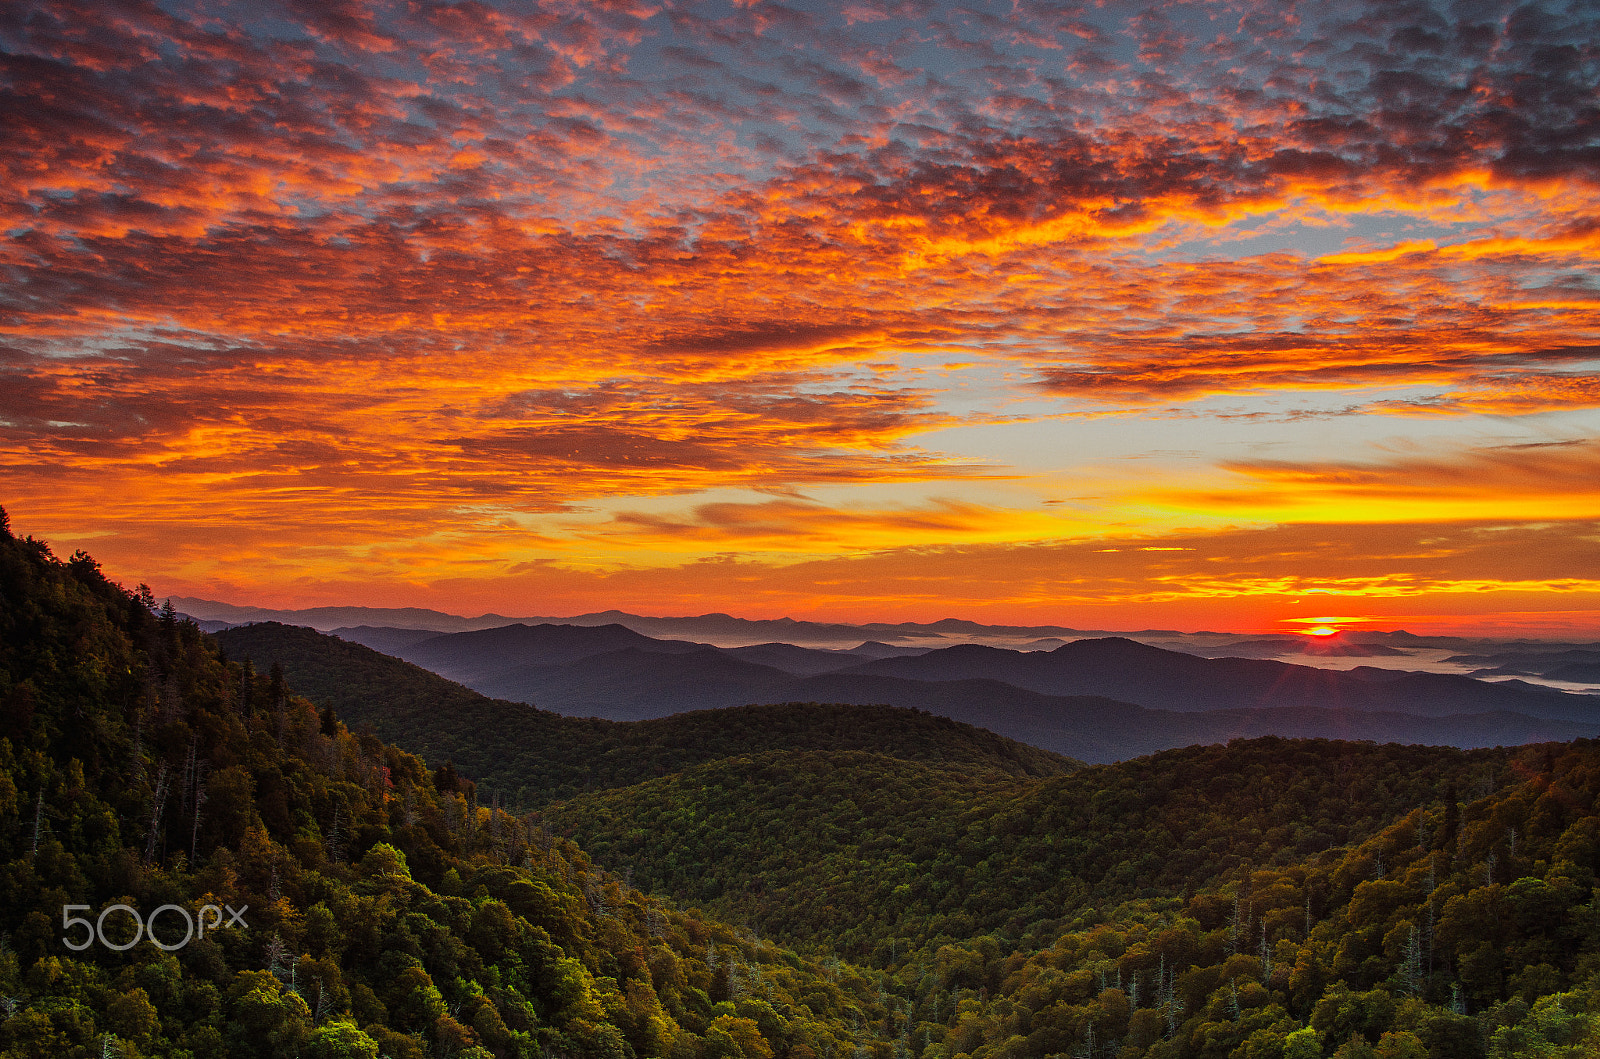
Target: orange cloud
x: 1443, y: 576
x: 798, y: 525
x: 375, y: 292
x: 1523, y: 480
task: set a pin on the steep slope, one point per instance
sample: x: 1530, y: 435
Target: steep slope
x: 532, y: 755
x: 1271, y: 898
x: 1460, y: 930
x: 371, y: 906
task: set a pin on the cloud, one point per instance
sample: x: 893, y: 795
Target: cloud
x: 421, y: 265
x: 294, y: 450
x: 1507, y: 393
x: 317, y: 174
x: 1523, y: 480
x: 1458, y: 577
x: 1554, y: 468
x: 804, y: 525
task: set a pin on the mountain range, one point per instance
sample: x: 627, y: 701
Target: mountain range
x: 726, y: 630
x: 646, y: 676
x: 532, y: 756
x: 374, y: 906
x: 711, y: 627
x: 1092, y: 700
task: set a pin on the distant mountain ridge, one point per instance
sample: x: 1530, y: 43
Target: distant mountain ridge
x: 1125, y: 669
x: 584, y: 672
x: 488, y: 651
x: 535, y: 755
x: 715, y: 625
x: 611, y: 671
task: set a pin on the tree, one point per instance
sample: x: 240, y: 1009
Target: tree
x: 341, y: 1040
x: 1400, y: 1044
x: 1303, y: 1044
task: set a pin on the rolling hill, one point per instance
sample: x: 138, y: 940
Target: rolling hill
x: 645, y: 677
x: 1133, y: 672
x: 613, y: 672
x: 913, y: 857
x: 532, y: 756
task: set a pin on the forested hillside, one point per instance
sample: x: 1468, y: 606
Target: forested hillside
x: 364, y: 905
x: 1464, y: 929
x: 533, y: 756
x: 1267, y: 899
x: 911, y: 857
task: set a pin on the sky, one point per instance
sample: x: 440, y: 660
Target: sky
x: 1197, y: 315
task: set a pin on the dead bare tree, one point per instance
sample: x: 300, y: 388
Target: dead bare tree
x: 156, y: 805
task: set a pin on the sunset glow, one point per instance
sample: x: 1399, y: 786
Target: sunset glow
x: 1210, y: 314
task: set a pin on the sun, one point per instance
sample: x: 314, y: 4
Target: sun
x: 1324, y: 625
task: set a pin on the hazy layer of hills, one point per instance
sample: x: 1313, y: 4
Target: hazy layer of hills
x: 1135, y: 672
x: 1579, y: 665
x: 1093, y: 700
x: 726, y: 630
x: 533, y: 756
x: 556, y: 666
x: 711, y: 627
